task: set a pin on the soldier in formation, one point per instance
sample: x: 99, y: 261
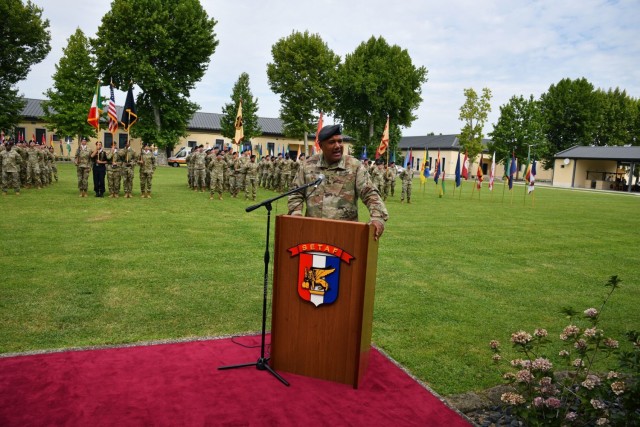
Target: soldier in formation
x: 127, y: 159
x: 407, y: 181
x: 82, y: 160
x: 11, y: 161
x: 147, y: 164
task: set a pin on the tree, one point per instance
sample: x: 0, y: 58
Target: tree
x: 375, y: 80
x: 519, y: 128
x: 74, y: 84
x: 473, y: 114
x: 164, y: 47
x: 570, y: 111
x: 616, y: 119
x: 24, y: 41
x: 250, y: 126
x: 302, y: 73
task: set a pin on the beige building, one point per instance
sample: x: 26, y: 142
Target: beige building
x: 599, y: 168
x: 204, y: 129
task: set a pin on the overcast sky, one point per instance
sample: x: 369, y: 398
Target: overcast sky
x: 513, y: 47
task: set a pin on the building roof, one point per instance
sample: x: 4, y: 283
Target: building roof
x: 629, y: 154
x: 433, y: 142
x: 199, y: 121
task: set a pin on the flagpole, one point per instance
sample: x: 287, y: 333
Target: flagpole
x: 504, y: 188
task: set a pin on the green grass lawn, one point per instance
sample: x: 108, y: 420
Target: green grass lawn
x: 453, y: 272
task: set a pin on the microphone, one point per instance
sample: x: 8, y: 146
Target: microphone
x: 319, y: 180
x: 267, y: 202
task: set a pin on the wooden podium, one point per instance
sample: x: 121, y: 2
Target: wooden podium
x: 316, y: 331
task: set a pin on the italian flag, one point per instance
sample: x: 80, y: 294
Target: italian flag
x: 94, y: 112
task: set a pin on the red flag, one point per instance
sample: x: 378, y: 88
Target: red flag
x: 465, y: 166
x: 317, y: 143
x: 44, y: 139
x: 112, y: 113
x: 479, y: 174
x: 94, y: 112
x: 384, y: 143
x: 33, y: 137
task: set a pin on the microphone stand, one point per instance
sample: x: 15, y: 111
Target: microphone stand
x: 263, y: 362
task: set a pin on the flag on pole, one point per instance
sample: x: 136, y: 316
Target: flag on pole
x: 423, y: 169
x: 240, y: 126
x: 384, y: 142
x: 458, y: 171
x: 112, y: 113
x: 407, y: 160
x: 364, y: 152
x: 479, y: 173
x: 512, y: 170
x: 532, y: 176
x: 436, y: 174
x: 465, y: 166
x: 427, y: 171
x: 129, y: 115
x: 44, y: 140
x: 317, y: 143
x: 492, y: 174
x: 94, y: 112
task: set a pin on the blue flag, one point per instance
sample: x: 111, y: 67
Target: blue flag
x: 458, y: 171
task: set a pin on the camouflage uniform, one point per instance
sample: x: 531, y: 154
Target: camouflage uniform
x: 199, y: 174
x: 147, y: 167
x: 337, y: 197
x: 34, y: 158
x: 392, y: 184
x: 285, y: 173
x: 127, y: 159
x: 83, y: 166
x: 22, y: 150
x: 45, y: 169
x: 217, y: 170
x: 251, y: 179
x: 113, y: 173
x: 234, y: 177
x: 377, y: 178
x: 407, y: 181
x: 389, y: 180
x: 54, y: 166
x: 242, y: 174
x: 189, y: 161
x: 11, y: 161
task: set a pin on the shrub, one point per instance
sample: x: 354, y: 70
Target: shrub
x: 578, y: 395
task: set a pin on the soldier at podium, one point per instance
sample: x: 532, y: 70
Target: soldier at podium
x: 346, y: 180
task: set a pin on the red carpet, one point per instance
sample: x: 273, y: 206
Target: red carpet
x: 179, y: 385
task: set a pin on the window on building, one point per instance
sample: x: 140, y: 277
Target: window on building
x: 220, y: 143
x: 20, y: 134
x: 271, y: 148
x: 41, y: 135
x: 122, y: 140
x: 192, y: 144
x: 107, y: 140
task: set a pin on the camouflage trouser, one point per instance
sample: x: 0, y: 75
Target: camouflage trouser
x: 240, y: 180
x: 190, y: 176
x: 54, y: 172
x: 33, y: 174
x: 127, y: 179
x: 386, y: 188
x: 45, y: 176
x: 393, y: 187
x: 250, y: 183
x: 198, y: 178
x: 263, y: 180
x: 10, y: 179
x: 285, y: 180
x: 145, y: 181
x: 217, y: 184
x: 233, y: 187
x: 406, y: 190
x: 83, y: 178
x: 207, y: 178
x: 113, y: 179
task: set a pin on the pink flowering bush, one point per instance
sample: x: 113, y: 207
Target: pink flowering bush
x: 581, y: 397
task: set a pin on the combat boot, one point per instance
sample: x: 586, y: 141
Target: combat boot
x: 149, y: 195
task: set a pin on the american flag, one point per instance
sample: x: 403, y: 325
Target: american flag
x: 111, y: 112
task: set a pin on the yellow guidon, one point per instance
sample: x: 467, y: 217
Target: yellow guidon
x: 313, y: 280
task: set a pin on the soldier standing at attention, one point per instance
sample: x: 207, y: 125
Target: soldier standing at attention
x: 127, y: 159
x: 217, y: 170
x: 33, y: 166
x: 251, y: 178
x: 377, y: 176
x: 392, y: 183
x: 54, y: 166
x: 11, y: 161
x: 407, y: 181
x: 99, y: 158
x: 147, y: 167
x: 199, y: 175
x: 346, y: 181
x: 113, y: 172
x: 82, y: 161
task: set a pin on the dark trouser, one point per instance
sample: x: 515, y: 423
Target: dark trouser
x: 99, y: 172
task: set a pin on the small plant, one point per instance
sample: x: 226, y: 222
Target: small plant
x: 577, y: 396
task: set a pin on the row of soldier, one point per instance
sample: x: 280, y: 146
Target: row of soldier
x: 227, y: 171
x: 26, y: 165
x: 119, y: 165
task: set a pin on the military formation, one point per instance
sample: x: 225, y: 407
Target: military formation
x: 120, y: 167
x: 226, y: 171
x: 26, y: 165
x: 219, y: 171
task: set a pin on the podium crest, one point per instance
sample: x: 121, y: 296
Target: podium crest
x: 319, y: 271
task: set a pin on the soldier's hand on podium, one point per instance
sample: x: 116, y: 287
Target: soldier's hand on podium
x: 379, y: 225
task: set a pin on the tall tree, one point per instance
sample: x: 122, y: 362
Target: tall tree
x: 74, y: 83
x: 520, y: 128
x: 570, y: 110
x: 302, y: 73
x: 473, y: 113
x: 616, y: 119
x: 24, y: 41
x: 164, y: 47
x: 241, y: 90
x: 375, y: 80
